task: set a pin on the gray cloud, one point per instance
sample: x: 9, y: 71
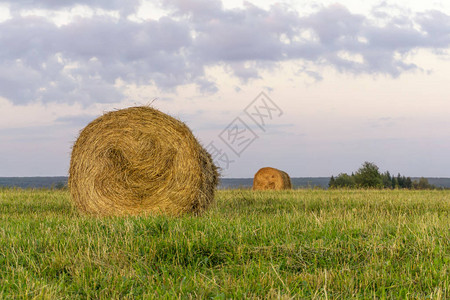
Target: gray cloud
x: 335, y: 26
x: 82, y: 61
x: 124, y: 7
x: 253, y: 34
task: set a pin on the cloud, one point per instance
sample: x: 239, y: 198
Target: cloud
x: 82, y: 61
x: 90, y: 59
x: 124, y: 7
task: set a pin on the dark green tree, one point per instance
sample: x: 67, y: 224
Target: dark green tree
x: 408, y: 183
x: 400, y: 182
x: 343, y: 180
x: 332, y: 182
x: 387, y: 180
x: 394, y: 182
x: 368, y: 176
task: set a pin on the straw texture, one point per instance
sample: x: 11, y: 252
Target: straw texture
x: 137, y: 161
x: 271, y: 179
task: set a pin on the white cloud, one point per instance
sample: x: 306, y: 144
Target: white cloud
x: 4, y: 13
x: 329, y: 66
x: 76, y: 51
x: 351, y: 57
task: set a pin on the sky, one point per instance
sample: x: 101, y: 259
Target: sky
x: 314, y: 88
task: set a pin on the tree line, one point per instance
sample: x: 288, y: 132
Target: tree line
x: 369, y: 176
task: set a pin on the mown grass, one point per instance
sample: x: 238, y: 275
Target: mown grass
x: 333, y: 244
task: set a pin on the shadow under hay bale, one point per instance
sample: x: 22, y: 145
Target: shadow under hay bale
x: 137, y: 161
x: 271, y: 179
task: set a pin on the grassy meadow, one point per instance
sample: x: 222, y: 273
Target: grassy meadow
x: 335, y: 244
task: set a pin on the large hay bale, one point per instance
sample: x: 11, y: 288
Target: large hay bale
x: 271, y: 179
x: 139, y: 160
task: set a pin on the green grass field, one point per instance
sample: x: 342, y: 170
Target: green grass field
x: 334, y: 244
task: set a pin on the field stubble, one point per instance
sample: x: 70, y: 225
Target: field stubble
x: 290, y: 244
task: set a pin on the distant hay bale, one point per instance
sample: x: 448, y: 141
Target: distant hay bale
x: 139, y: 160
x: 271, y: 179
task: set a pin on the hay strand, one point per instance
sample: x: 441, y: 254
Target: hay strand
x: 139, y: 160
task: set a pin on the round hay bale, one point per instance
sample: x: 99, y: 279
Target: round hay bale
x: 271, y: 179
x: 139, y: 160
